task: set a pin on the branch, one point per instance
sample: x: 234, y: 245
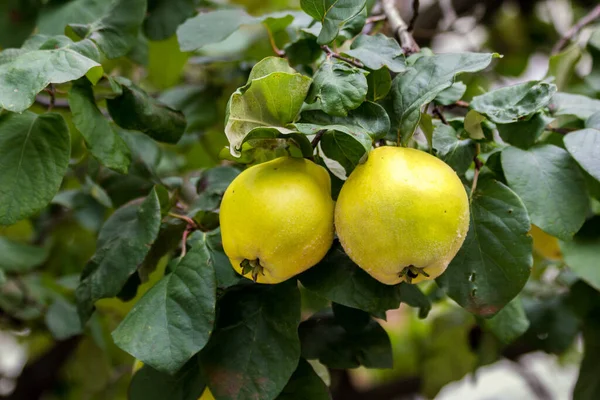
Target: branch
x: 47, y: 102
x: 590, y: 17
x: 317, y: 138
x: 331, y: 53
x: 415, y: 9
x: 399, y: 27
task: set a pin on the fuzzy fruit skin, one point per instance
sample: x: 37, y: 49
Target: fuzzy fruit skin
x: 402, y: 207
x: 281, y: 213
x: 545, y: 245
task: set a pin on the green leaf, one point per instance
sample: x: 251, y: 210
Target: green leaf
x: 195, y: 102
x: 29, y: 73
x: 574, y: 104
x: 510, y: 322
x: 593, y: 121
x: 368, y: 119
x: 17, y: 21
x: 451, y: 95
x: 428, y: 77
x: 380, y: 83
x: 347, y: 149
x: 57, y: 15
x: 524, y: 133
x: 562, y: 65
x: 269, y: 100
x: 255, y: 348
x: 180, y: 308
x: 551, y: 186
x: 581, y: 254
x: 166, y: 63
x: 325, y: 339
x: 116, y: 32
x: 216, y: 26
x: 226, y: 275
x: 584, y: 147
x: 34, y: 155
x: 304, y: 384
x: 338, y: 279
x: 426, y: 125
x: 453, y: 151
x: 338, y: 88
x: 588, y: 386
x: 62, y: 320
x: 494, y: 262
x: 332, y: 14
x: 102, y: 141
x: 472, y: 124
x: 135, y: 110
x: 150, y: 384
x: 19, y: 257
x: 164, y: 16
x: 511, y: 103
x: 378, y: 51
x: 123, y: 243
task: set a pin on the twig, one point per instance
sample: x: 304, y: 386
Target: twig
x: 276, y: 50
x: 461, y: 103
x: 184, y: 238
x: 574, y: 30
x: 438, y: 112
x: 45, y: 101
x: 415, y: 9
x: 478, y: 166
x: 52, y: 92
x: 317, y: 138
x: 399, y: 27
x: 184, y: 218
x: 375, y: 18
x: 377, y: 15
x: 562, y: 131
x: 331, y: 53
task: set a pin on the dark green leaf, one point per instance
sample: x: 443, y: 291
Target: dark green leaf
x: 304, y: 384
x: 378, y: 51
x: 551, y: 186
x: 345, y: 148
x: 165, y: 66
x: 368, y: 119
x: 494, y: 262
x: 453, y: 151
x: 116, y: 31
x: 197, y: 104
x: 123, y: 243
x: 338, y: 88
x: 135, y: 110
x: 588, y: 385
x: 333, y: 15
x: 103, y: 142
x: 34, y: 155
x: 581, y: 254
x: 379, y: 82
x: 255, y: 348
x: 150, y: 384
x: 562, y: 65
x: 19, y: 257
x: 180, y: 308
x: 451, y: 95
x: 511, y: 103
x: 62, y: 320
x: 574, y: 104
x: 226, y: 275
x: 510, y: 322
x: 164, y: 16
x: 29, y: 73
x: 524, y: 133
x: 17, y: 21
x: 584, y: 146
x: 428, y: 77
x: 323, y: 338
x: 338, y: 279
x: 57, y: 15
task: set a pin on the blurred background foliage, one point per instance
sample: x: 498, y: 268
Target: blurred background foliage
x: 428, y: 354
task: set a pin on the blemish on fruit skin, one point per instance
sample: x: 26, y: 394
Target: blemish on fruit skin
x: 510, y: 210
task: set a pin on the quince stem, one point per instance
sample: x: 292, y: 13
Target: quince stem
x: 411, y: 272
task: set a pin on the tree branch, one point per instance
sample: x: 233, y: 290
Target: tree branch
x: 413, y: 19
x: 317, y: 138
x: 399, y: 27
x: 590, y: 17
x: 331, y: 53
x: 48, y: 102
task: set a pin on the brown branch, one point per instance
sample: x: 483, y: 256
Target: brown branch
x: 399, y: 27
x: 437, y: 111
x: 415, y: 10
x: 317, y: 138
x: 376, y: 18
x: 276, y: 50
x: 46, y: 102
x: 574, y: 30
x: 331, y: 53
x: 562, y: 131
